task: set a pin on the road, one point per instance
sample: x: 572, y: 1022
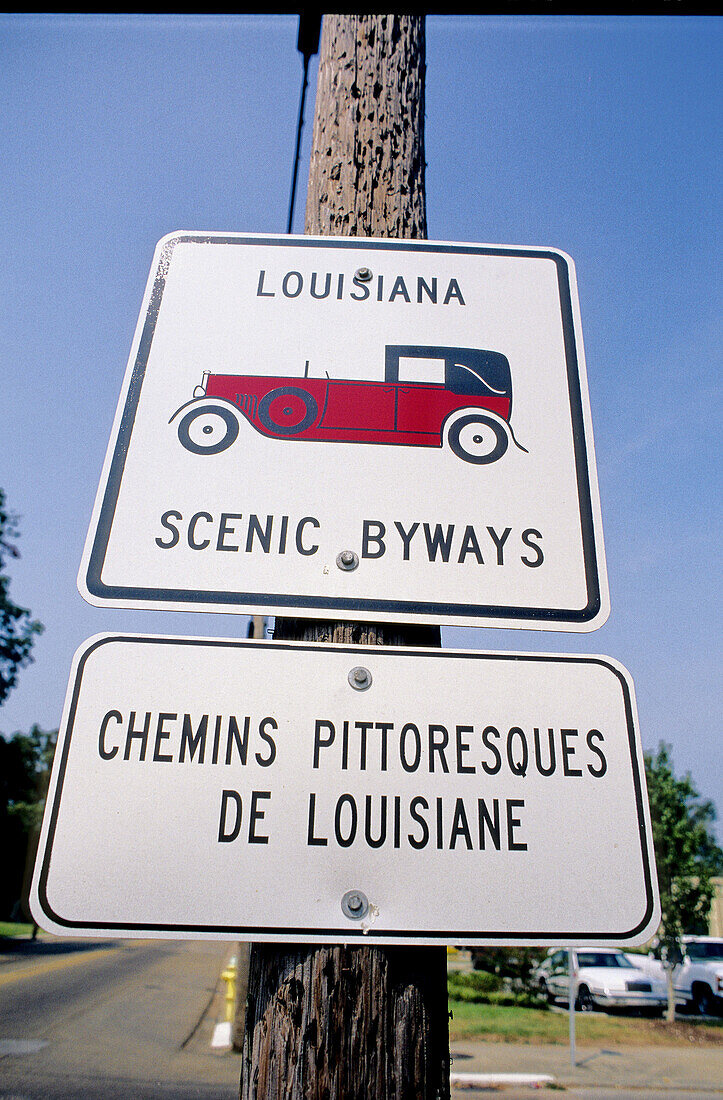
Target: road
x: 133, y: 1020
x: 112, y: 1020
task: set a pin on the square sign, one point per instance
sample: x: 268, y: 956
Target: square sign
x: 361, y: 429
x: 295, y: 792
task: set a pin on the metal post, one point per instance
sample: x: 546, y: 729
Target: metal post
x: 572, y: 997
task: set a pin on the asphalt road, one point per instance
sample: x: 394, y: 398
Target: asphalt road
x: 133, y: 1020
x: 112, y: 1020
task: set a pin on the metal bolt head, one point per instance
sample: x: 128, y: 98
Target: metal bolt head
x: 363, y: 274
x: 360, y: 678
x: 347, y: 560
x: 355, y: 904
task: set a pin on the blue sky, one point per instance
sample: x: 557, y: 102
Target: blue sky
x: 596, y: 135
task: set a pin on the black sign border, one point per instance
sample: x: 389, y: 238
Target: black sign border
x: 161, y: 598
x: 349, y: 934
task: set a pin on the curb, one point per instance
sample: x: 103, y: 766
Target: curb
x: 490, y: 1080
x: 222, y: 1038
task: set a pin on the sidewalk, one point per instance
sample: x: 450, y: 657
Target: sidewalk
x: 669, y: 1068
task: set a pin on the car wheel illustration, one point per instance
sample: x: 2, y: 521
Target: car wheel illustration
x: 208, y: 429
x: 585, y: 1002
x: 478, y: 438
x: 287, y: 410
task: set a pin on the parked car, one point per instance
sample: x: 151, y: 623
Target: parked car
x: 604, y: 979
x: 698, y: 979
x: 648, y: 963
x: 538, y: 977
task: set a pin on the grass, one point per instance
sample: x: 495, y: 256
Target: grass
x: 10, y: 928
x: 494, y: 1023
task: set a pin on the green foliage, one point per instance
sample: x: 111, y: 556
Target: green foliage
x: 17, y: 630
x: 25, y: 760
x: 516, y: 963
x: 479, y: 980
x: 481, y: 987
x: 686, y: 853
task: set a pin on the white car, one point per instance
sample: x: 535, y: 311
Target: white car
x: 648, y: 963
x: 604, y: 978
x: 698, y: 979
x: 538, y: 977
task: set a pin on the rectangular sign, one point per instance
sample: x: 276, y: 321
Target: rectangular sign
x: 362, y: 429
x: 297, y: 792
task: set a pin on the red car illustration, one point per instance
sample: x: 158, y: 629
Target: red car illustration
x: 469, y: 408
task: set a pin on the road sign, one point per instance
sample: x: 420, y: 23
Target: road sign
x: 365, y: 429
x: 298, y: 792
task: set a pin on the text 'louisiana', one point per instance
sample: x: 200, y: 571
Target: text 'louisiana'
x: 399, y: 288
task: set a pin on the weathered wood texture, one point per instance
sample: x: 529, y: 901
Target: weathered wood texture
x: 321, y: 630
x: 346, y: 1023
x: 366, y: 177
x: 341, y: 1023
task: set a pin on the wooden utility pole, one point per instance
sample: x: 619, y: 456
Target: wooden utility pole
x: 356, y: 1022
x: 366, y: 177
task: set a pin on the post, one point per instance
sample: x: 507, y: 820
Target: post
x: 571, y: 999
x: 366, y: 177
x: 356, y: 1022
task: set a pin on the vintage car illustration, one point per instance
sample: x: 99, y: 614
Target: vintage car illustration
x: 468, y: 407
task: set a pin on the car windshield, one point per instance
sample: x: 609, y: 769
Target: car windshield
x: 711, y: 950
x: 603, y: 958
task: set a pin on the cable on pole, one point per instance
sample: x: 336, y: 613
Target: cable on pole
x: 307, y: 44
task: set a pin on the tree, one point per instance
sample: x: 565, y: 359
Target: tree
x: 17, y: 629
x: 25, y: 760
x: 686, y: 854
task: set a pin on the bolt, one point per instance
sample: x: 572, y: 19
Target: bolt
x: 363, y: 274
x: 360, y: 678
x: 354, y: 905
x: 347, y: 560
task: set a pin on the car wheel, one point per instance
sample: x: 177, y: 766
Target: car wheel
x: 478, y: 438
x: 287, y: 410
x: 585, y: 1002
x: 703, y: 1000
x: 208, y: 429
x: 545, y: 992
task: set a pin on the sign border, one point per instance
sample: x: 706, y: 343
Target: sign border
x: 589, y: 617
x: 326, y: 935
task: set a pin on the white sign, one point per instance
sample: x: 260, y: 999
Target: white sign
x: 298, y: 792
x: 365, y: 429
